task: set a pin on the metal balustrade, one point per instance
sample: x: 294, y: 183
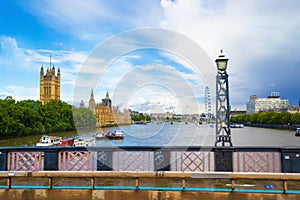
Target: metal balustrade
x: 25, y: 161
x: 192, y: 161
x: 258, y: 161
x: 183, y: 159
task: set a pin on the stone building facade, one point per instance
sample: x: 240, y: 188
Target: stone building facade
x: 106, y: 114
x: 49, y: 85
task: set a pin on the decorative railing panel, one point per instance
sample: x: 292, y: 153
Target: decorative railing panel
x: 77, y: 161
x: 25, y: 161
x: 191, y: 161
x: 133, y: 161
x: 257, y: 162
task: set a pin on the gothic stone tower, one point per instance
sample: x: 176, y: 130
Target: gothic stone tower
x: 103, y: 110
x: 49, y: 85
x: 92, y: 103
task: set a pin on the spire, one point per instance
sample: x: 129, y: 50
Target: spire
x: 92, y: 103
x: 58, y: 71
x: 92, y: 94
x: 107, y: 95
x: 53, y: 70
x: 42, y: 70
x: 81, y: 104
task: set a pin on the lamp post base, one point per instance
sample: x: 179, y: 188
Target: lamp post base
x: 223, y: 139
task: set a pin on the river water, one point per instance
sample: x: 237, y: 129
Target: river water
x: 178, y: 134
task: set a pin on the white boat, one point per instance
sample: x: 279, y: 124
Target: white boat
x: 56, y: 141
x: 119, y: 134
x: 237, y: 126
x: 100, y: 135
x: 47, y: 140
x: 297, y: 132
x: 84, y: 142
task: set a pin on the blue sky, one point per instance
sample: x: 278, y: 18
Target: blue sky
x: 260, y: 38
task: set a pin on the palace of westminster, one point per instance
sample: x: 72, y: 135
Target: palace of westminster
x: 105, y: 113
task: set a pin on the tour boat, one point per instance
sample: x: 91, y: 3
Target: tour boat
x: 99, y: 136
x: 237, y: 126
x: 84, y: 142
x: 56, y: 141
x: 118, y: 134
x: 47, y: 140
x: 67, y: 142
x: 297, y: 132
x: 110, y: 135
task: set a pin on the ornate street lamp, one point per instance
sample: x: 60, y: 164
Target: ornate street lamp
x: 223, y: 134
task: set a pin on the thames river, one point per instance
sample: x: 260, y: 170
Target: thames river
x: 178, y: 134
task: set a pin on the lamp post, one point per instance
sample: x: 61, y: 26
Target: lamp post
x: 223, y: 134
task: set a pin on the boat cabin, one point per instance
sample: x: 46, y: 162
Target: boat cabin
x: 297, y: 132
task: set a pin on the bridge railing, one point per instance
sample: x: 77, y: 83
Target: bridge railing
x: 183, y: 159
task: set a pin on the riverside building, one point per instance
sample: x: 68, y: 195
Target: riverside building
x: 107, y: 114
x: 271, y: 103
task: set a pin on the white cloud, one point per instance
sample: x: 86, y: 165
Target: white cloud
x: 16, y: 61
x: 160, y: 86
x: 94, y: 20
x: 69, y: 16
x: 124, y: 80
x: 20, y: 93
x: 11, y: 55
x: 166, y: 3
x: 258, y: 36
x: 28, y: 58
x: 154, y: 98
x: 255, y: 35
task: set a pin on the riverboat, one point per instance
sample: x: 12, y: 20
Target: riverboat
x: 56, y: 141
x: 100, y: 136
x: 110, y: 135
x: 84, y: 142
x: 297, y: 132
x: 237, y: 126
x: 47, y: 140
x: 118, y: 134
x: 67, y: 142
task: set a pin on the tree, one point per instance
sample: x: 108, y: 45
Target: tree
x: 265, y: 117
x: 58, y: 116
x: 268, y: 118
x: 31, y: 117
x: 140, y: 117
x: 295, y: 118
x: 84, y: 117
x: 253, y: 117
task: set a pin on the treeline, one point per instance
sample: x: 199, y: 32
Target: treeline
x: 140, y: 117
x: 31, y: 117
x: 268, y: 118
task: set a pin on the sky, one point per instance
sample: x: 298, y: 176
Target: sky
x: 260, y: 37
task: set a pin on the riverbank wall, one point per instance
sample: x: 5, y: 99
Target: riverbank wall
x: 274, y: 126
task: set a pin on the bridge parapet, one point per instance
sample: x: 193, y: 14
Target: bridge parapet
x: 183, y: 159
